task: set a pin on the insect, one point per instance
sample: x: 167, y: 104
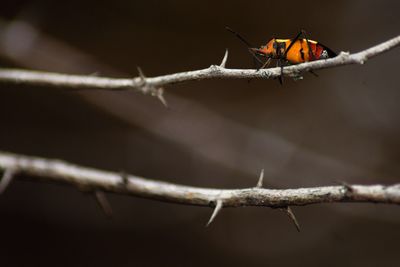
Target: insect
x: 288, y: 51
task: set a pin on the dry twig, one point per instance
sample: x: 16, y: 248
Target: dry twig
x: 97, y: 180
x: 154, y: 85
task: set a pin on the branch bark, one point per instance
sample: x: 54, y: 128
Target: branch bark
x: 153, y: 85
x: 89, y: 179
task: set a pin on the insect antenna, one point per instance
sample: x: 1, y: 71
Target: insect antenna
x: 249, y: 46
x: 240, y: 37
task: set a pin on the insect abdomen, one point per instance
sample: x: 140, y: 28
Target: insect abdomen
x: 300, y: 52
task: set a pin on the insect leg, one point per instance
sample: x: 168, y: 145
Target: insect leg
x: 279, y: 64
x: 304, y: 35
x: 313, y: 57
x: 266, y: 64
x: 313, y: 73
x: 283, y: 57
x: 292, y: 43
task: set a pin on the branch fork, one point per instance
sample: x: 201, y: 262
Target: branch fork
x: 147, y: 88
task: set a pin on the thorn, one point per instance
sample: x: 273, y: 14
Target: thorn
x: 142, y: 78
x: 104, y: 203
x: 159, y: 93
x: 141, y: 74
x: 8, y: 175
x: 261, y: 179
x: 223, y: 63
x: 291, y: 215
x: 217, y: 209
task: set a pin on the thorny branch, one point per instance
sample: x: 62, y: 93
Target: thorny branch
x: 153, y: 85
x: 89, y: 179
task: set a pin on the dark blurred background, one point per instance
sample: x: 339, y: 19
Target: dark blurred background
x: 342, y: 126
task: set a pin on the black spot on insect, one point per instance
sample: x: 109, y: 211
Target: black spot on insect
x: 302, y: 53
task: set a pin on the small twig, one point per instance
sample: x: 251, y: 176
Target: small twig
x: 217, y: 209
x: 5, y: 181
x: 152, y: 85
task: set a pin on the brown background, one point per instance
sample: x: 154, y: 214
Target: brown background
x: 342, y: 126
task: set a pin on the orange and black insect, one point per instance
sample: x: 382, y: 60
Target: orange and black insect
x: 288, y: 51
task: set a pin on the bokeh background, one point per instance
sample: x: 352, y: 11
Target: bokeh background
x: 342, y: 126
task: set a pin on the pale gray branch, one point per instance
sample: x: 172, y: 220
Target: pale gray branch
x: 153, y: 85
x: 92, y: 179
